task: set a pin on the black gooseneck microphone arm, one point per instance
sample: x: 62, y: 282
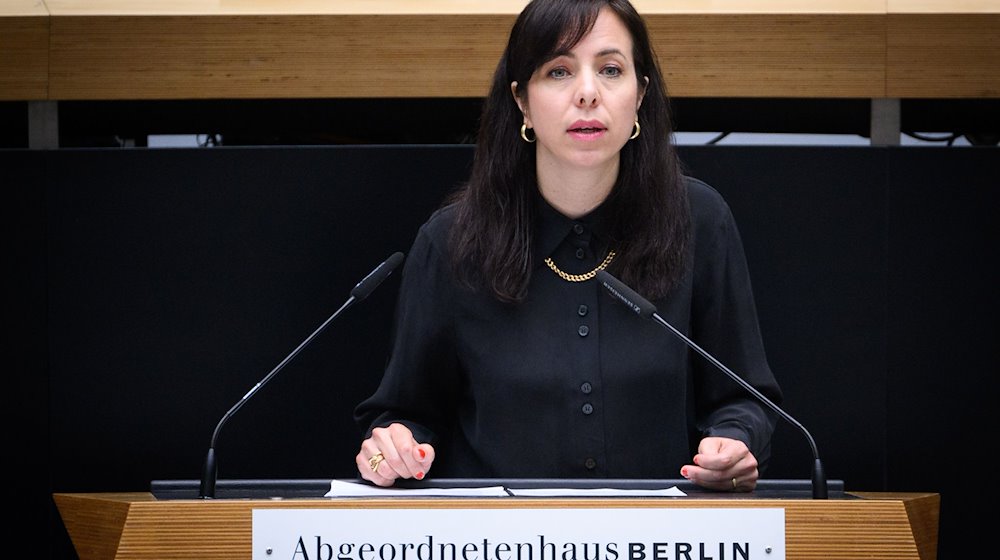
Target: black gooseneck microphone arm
x: 642, y: 307
x: 360, y: 291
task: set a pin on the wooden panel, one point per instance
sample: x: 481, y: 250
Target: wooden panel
x: 177, y: 57
x: 771, y: 55
x: 24, y: 50
x: 943, y: 55
x: 203, y: 49
x: 170, y: 57
x: 875, y: 527
x: 96, y: 526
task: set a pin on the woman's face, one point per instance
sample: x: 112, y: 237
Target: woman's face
x: 582, y: 105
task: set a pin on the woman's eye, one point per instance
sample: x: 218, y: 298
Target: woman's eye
x: 558, y: 73
x: 612, y: 71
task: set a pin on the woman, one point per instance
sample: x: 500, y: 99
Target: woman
x: 508, y: 359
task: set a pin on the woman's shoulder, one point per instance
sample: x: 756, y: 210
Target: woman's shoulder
x: 707, y: 204
x: 434, y: 234
x: 439, y: 223
x: 701, y: 194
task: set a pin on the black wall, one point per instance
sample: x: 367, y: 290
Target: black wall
x: 153, y: 288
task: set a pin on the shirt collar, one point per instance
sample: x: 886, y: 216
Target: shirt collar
x: 552, y: 227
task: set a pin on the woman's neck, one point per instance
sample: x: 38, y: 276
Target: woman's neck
x: 576, y: 192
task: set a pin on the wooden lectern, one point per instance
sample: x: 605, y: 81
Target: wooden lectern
x: 142, y: 526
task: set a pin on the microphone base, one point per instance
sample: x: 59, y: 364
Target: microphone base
x: 819, y: 481
x: 208, y: 476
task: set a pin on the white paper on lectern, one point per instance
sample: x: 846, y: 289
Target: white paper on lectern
x: 342, y: 489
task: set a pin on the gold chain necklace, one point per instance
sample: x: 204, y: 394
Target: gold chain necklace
x: 580, y: 277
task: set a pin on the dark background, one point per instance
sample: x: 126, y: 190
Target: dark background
x: 153, y: 288
x: 297, y: 122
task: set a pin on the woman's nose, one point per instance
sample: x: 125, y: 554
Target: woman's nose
x: 587, y: 94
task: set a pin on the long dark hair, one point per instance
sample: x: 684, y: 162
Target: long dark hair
x: 491, y: 240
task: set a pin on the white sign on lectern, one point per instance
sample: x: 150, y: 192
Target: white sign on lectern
x: 514, y: 533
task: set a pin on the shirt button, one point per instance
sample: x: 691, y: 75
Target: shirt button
x: 582, y: 310
x: 580, y: 253
x: 590, y: 464
x: 584, y: 330
x: 587, y: 408
x: 586, y: 388
x: 578, y: 228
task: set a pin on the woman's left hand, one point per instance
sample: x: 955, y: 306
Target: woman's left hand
x: 723, y: 464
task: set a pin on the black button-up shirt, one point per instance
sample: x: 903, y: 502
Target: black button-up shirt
x: 570, y: 383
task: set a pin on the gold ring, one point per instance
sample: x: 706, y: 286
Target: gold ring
x: 376, y: 460
x: 734, y: 483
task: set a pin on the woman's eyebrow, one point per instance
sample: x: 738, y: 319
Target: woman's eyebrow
x: 610, y: 51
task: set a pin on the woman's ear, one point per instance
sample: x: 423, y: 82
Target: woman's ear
x: 522, y: 104
x: 642, y: 93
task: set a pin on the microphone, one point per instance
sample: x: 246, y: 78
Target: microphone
x: 642, y: 307
x: 361, y: 290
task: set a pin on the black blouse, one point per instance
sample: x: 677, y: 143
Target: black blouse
x: 570, y: 383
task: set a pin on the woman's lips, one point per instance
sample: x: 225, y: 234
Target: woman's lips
x: 587, y: 125
x: 587, y: 130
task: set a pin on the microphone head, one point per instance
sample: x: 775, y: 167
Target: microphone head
x: 367, y: 285
x: 626, y: 295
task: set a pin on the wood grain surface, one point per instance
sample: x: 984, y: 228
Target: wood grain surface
x: 261, y: 49
x: 136, y: 526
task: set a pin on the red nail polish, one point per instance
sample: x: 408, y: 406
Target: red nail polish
x: 684, y: 473
x: 420, y: 476
x: 422, y: 453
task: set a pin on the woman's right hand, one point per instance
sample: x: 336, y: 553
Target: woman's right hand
x: 401, y: 456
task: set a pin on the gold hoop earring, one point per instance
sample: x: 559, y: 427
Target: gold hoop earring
x: 637, y: 129
x: 524, y: 136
